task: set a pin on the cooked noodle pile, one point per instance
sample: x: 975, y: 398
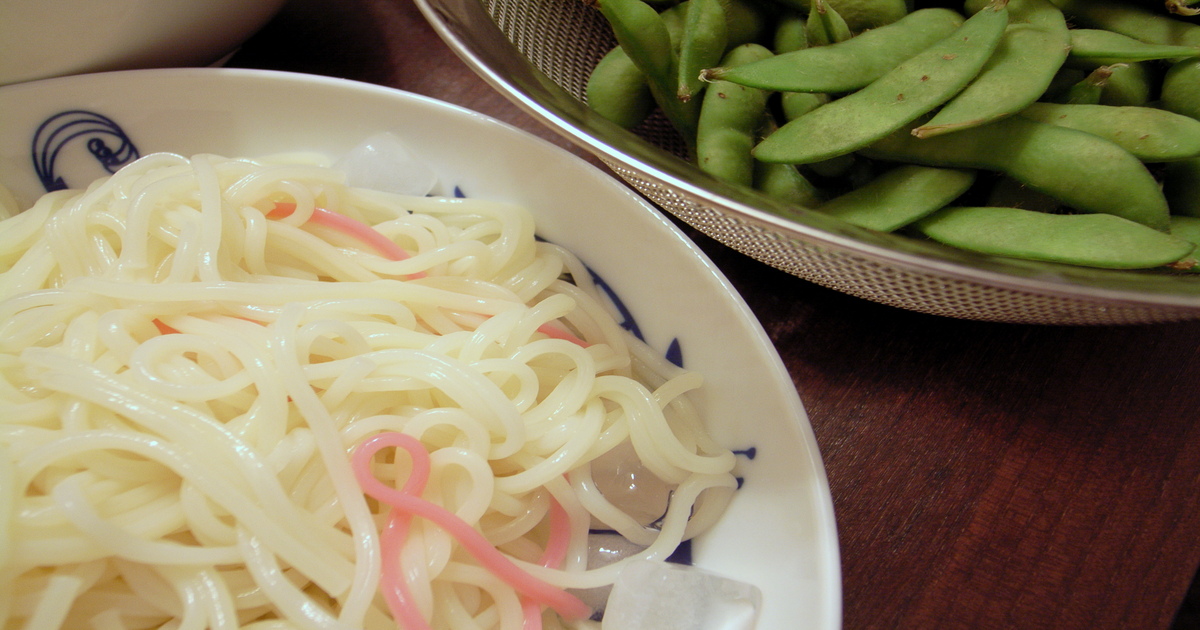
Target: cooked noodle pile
x: 209, y: 369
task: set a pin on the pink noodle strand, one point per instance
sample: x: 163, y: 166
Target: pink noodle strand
x: 388, y: 249
x: 555, y: 332
x: 407, y: 502
x: 350, y: 227
x: 395, y: 588
x: 552, y: 557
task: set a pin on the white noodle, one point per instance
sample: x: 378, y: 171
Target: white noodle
x: 183, y: 379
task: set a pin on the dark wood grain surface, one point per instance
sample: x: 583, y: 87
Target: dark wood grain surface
x: 984, y: 475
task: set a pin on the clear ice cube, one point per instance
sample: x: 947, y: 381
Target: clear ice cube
x: 651, y: 595
x: 384, y: 162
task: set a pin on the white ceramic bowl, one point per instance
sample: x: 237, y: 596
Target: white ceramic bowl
x: 50, y: 38
x: 779, y: 532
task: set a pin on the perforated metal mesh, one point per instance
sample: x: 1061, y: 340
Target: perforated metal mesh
x: 565, y: 38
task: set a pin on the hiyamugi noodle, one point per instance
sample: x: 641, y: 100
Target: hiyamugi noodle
x: 242, y: 393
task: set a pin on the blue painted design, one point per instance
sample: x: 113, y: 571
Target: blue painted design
x: 627, y: 320
x: 106, y: 141
x: 675, y: 353
x: 749, y: 453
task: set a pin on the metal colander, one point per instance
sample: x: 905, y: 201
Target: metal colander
x: 539, y: 53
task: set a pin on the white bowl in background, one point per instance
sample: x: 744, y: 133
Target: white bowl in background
x: 779, y: 532
x: 50, y: 38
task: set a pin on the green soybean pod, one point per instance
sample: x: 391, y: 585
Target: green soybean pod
x: 730, y: 119
x: 644, y: 36
x: 1181, y: 186
x: 1149, y: 133
x: 796, y: 104
x: 1063, y: 80
x: 825, y: 25
x: 790, y: 34
x: 859, y: 15
x: 705, y: 37
x: 1187, y: 228
x: 746, y: 22
x: 1098, y: 47
x: 1138, y: 22
x: 1006, y: 191
x: 899, y: 196
x: 1090, y: 240
x: 784, y: 181
x: 1181, y: 88
x: 848, y: 65
x: 1083, y: 171
x: 617, y: 90
x: 640, y: 30
x: 904, y: 94
x: 1031, y: 51
x: 1089, y: 89
x: 673, y: 19
x: 1130, y: 83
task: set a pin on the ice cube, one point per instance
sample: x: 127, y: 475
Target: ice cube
x: 383, y: 162
x: 651, y: 595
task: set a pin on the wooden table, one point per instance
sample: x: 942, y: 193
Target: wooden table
x: 984, y: 475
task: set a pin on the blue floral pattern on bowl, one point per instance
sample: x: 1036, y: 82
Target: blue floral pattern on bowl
x: 104, y: 138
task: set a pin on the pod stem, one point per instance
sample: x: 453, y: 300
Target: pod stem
x: 1182, y: 7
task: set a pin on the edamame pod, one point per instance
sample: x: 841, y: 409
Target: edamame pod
x: 1129, y: 84
x: 1006, y: 191
x: 730, y: 119
x: 1098, y: 47
x: 640, y: 31
x: 1132, y: 20
x: 644, y: 36
x: 1181, y: 88
x: 1091, y: 240
x: 848, y: 65
x: 1084, y: 171
x: 1186, y: 228
x: 745, y: 22
x: 784, y: 181
x: 1017, y: 74
x: 1150, y: 134
x: 859, y: 14
x: 899, y: 196
x: 617, y: 90
x: 797, y: 104
x: 705, y: 36
x: 1089, y: 89
x: 790, y: 34
x: 825, y: 25
x: 904, y: 94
